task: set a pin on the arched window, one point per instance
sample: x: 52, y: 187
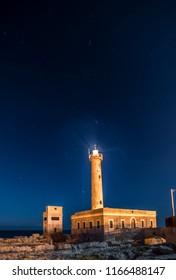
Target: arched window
x: 84, y: 225
x: 90, y: 225
x: 98, y: 224
x: 111, y: 224
x: 122, y: 224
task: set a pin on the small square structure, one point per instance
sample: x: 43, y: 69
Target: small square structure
x: 52, y: 219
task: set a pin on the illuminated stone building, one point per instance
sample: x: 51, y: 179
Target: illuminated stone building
x: 52, y: 219
x: 101, y: 221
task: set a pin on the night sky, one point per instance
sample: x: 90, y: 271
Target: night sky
x: 76, y: 73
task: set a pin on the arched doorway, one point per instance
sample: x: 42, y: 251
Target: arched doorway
x: 133, y: 223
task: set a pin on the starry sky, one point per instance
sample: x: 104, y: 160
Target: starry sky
x: 76, y: 73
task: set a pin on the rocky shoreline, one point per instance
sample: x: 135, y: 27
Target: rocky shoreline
x: 38, y: 247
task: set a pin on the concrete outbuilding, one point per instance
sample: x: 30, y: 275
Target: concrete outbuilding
x: 52, y: 220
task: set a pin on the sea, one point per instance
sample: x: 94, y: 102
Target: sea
x: 13, y: 233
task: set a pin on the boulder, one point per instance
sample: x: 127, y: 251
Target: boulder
x: 163, y: 250
x: 154, y: 240
x: 35, y: 235
x: 64, y: 246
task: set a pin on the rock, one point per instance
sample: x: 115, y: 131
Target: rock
x: 44, y: 247
x: 6, y: 248
x: 31, y: 240
x: 25, y: 240
x: 148, y: 252
x: 22, y: 249
x: 64, y: 246
x: 154, y: 240
x: 10, y: 240
x: 166, y: 257
x: 128, y: 241
x: 29, y: 248
x: 113, y: 243
x: 124, y: 246
x: 35, y: 235
x: 162, y: 250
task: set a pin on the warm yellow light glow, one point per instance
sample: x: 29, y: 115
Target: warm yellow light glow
x: 95, y: 152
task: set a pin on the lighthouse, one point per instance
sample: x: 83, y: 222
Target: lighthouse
x: 100, y: 221
x: 96, y: 179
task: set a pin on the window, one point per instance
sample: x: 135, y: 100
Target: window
x: 100, y: 202
x: 55, y: 229
x: 84, y: 225
x: 151, y: 223
x: 142, y: 223
x: 90, y: 225
x: 55, y: 208
x: 45, y: 219
x: 99, y: 176
x: 111, y: 224
x: 122, y: 224
x: 78, y: 225
x: 98, y: 224
x: 55, y: 218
